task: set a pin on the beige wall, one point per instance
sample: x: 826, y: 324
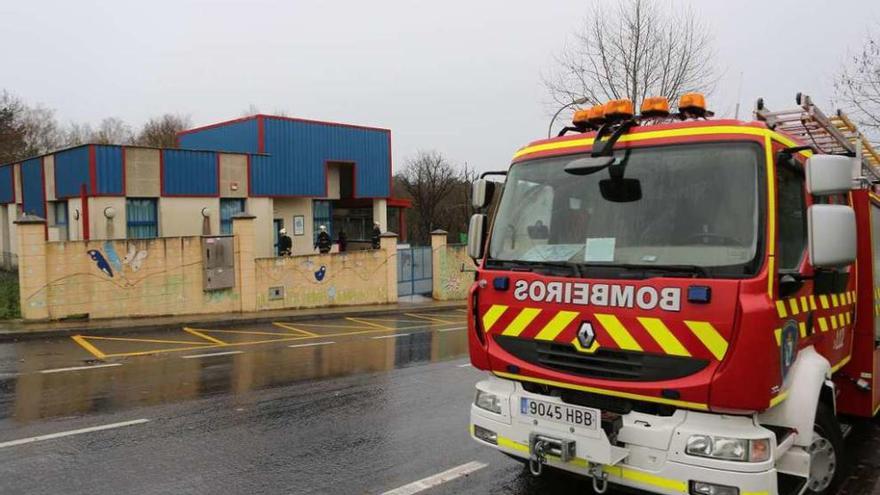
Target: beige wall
x: 16, y: 175
x: 49, y: 174
x: 233, y: 172
x: 264, y: 241
x: 101, y: 227
x: 183, y: 216
x: 333, y: 180
x: 285, y: 209
x: 141, y: 172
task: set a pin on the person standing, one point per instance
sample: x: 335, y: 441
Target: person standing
x: 285, y: 243
x: 377, y: 234
x: 323, y: 242
x: 342, y: 240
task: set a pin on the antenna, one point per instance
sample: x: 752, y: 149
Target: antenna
x: 739, y: 90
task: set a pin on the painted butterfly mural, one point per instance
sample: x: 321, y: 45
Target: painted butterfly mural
x: 319, y: 275
x: 134, y: 258
x: 100, y: 262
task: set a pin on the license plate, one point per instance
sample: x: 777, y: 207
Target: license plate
x: 560, y: 413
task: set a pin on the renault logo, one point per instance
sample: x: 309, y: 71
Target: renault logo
x: 586, y: 335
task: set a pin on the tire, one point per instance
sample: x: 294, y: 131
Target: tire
x: 827, y: 456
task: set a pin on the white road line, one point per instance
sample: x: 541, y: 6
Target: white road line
x: 21, y: 441
x: 80, y: 368
x: 437, y: 479
x: 465, y: 365
x: 312, y: 344
x: 210, y: 354
x: 452, y: 329
x: 392, y: 336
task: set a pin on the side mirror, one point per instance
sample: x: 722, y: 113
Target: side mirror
x: 831, y: 234
x: 482, y: 192
x: 476, y: 231
x: 830, y: 174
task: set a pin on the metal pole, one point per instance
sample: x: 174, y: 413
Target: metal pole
x: 579, y: 101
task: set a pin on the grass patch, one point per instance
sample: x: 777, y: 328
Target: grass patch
x: 9, y: 304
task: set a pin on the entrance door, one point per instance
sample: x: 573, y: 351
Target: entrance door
x: 414, y: 271
x: 277, y: 224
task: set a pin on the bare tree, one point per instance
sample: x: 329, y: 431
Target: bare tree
x: 76, y: 134
x: 26, y: 130
x: 634, y: 50
x: 12, y: 135
x: 858, y: 86
x: 428, y: 178
x: 112, y: 130
x: 161, y: 132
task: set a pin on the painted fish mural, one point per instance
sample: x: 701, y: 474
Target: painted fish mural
x: 100, y: 262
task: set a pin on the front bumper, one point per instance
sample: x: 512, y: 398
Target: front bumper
x: 651, y: 447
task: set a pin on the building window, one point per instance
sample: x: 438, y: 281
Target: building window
x: 141, y: 216
x: 228, y: 208
x: 322, y: 214
x: 59, y: 218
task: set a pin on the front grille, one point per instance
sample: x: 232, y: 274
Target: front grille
x: 608, y: 364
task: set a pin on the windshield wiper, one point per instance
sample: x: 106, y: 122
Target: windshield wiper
x: 694, y: 270
x: 574, y: 268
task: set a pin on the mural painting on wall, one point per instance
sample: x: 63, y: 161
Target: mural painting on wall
x: 319, y: 275
x: 133, y: 259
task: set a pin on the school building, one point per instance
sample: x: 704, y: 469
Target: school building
x: 292, y: 173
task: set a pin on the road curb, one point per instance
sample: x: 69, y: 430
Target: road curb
x: 93, y: 328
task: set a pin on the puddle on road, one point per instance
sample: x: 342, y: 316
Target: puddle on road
x: 150, y: 381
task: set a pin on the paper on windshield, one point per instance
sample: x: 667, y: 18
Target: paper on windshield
x: 551, y: 252
x: 599, y: 249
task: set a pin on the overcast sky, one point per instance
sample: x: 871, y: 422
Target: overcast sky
x: 461, y: 77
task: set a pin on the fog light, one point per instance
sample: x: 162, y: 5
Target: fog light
x: 487, y: 401
x: 703, y: 488
x: 486, y: 435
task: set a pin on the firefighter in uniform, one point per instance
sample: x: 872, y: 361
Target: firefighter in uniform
x: 323, y: 243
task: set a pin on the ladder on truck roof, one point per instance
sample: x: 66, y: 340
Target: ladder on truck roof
x: 835, y: 135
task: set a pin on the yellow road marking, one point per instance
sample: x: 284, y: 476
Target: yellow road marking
x: 79, y: 339
x: 521, y: 321
x: 492, y: 315
x: 289, y: 327
x: 663, y: 336
x: 255, y: 332
x: 369, y: 323
x: 618, y: 332
x: 200, y: 334
x: 709, y: 337
x: 150, y: 341
x: 431, y: 318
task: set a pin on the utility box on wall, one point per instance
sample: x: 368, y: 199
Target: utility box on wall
x: 219, y: 258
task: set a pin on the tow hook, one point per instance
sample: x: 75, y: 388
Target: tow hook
x: 537, y: 458
x: 600, y: 478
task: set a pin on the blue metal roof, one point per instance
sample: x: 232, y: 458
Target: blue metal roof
x: 241, y: 136
x: 33, y: 199
x: 108, y: 169
x: 298, y: 152
x: 72, y: 172
x: 7, y: 187
x: 190, y: 173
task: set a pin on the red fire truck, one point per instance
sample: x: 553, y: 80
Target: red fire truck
x: 680, y: 304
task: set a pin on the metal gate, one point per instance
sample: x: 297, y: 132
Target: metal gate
x: 414, y: 271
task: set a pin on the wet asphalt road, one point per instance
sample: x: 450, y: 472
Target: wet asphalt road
x: 360, y: 405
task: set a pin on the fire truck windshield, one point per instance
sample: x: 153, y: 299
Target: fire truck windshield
x: 698, y: 206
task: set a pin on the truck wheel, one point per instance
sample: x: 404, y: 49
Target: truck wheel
x: 826, y: 453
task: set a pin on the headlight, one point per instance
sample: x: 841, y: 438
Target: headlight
x: 729, y: 449
x: 487, y: 401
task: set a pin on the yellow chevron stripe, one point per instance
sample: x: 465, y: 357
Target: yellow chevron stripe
x: 834, y: 301
x: 492, y: 316
x: 792, y: 303
x: 577, y: 345
x: 618, y: 332
x: 709, y: 337
x: 823, y: 324
x: 841, y: 321
x: 663, y: 336
x: 521, y: 321
x: 778, y: 333
x: 848, y: 317
x: 552, y: 329
x: 804, y: 303
x: 813, y: 303
x: 803, y: 329
x: 823, y: 300
x: 833, y: 319
x: 780, y: 309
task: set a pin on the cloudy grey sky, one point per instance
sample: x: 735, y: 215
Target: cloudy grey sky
x: 461, y: 77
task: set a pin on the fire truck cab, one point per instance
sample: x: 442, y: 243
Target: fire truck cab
x: 680, y: 304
